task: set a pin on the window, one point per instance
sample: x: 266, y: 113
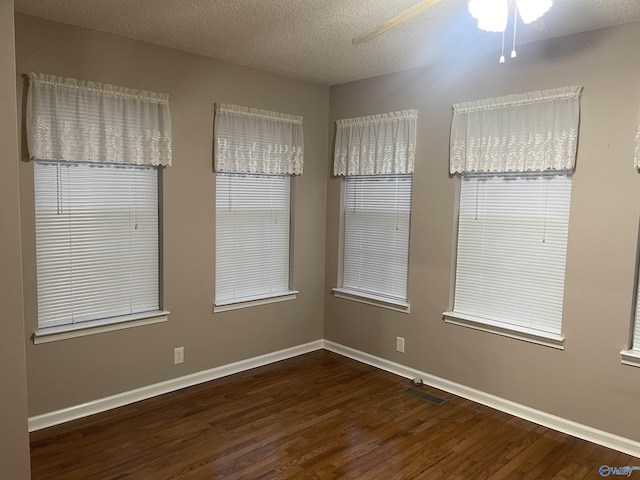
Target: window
x: 256, y: 152
x: 376, y: 235
x: 632, y: 356
x: 96, y: 241
x: 97, y: 151
x: 512, y: 240
x: 376, y: 155
x: 636, y: 160
x: 252, y: 236
x: 515, y: 156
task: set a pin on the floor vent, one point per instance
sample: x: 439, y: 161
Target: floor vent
x: 424, y: 396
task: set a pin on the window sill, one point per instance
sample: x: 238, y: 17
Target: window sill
x: 630, y: 357
x: 374, y: 300
x: 64, y: 332
x: 511, y: 331
x: 255, y: 301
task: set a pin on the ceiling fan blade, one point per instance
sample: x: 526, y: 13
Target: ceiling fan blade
x: 392, y: 22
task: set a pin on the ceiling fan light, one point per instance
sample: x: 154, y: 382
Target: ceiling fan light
x: 492, y: 15
x: 531, y: 10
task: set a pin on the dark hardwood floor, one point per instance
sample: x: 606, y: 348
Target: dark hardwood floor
x: 316, y: 416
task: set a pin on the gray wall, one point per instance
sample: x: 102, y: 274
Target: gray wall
x: 71, y: 372
x: 586, y: 382
x: 14, y: 441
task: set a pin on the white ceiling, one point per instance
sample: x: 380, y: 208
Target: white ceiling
x: 311, y: 39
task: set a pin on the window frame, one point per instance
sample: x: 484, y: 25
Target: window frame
x: 549, y: 339
x: 259, y: 298
x: 46, y: 334
x: 363, y: 296
x: 631, y: 355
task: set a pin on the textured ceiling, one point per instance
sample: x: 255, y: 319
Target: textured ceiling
x: 311, y: 39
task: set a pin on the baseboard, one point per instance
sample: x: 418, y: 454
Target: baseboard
x: 600, y: 437
x: 103, y: 404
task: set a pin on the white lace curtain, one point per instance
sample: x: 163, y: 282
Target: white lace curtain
x: 79, y: 121
x: 248, y: 140
x: 376, y: 144
x: 535, y: 131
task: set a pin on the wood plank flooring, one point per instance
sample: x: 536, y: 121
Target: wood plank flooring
x: 316, y: 416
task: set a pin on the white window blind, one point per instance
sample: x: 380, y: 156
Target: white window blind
x: 376, y: 235
x: 252, y: 236
x: 512, y: 241
x: 96, y: 241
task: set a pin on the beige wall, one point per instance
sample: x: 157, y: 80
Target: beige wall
x: 71, y: 372
x: 14, y: 440
x: 586, y: 382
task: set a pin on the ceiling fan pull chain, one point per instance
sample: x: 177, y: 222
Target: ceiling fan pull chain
x: 515, y: 27
x: 502, y: 56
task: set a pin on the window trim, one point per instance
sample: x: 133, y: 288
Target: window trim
x: 92, y: 327
x: 107, y: 324
x: 254, y: 301
x: 268, y: 297
x: 630, y: 357
x: 505, y: 329
x: 369, y: 299
x: 360, y: 296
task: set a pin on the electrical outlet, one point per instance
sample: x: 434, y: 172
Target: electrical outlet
x: 400, y: 344
x: 178, y: 355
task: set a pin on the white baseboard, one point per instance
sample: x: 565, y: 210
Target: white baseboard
x: 103, y: 404
x: 600, y: 437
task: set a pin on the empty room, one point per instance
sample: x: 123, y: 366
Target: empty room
x: 355, y: 239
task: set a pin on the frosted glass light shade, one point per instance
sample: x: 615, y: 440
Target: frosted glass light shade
x: 531, y: 10
x: 492, y: 15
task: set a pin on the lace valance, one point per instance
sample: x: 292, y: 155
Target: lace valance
x: 79, y: 121
x: 535, y: 131
x: 248, y: 140
x: 376, y: 145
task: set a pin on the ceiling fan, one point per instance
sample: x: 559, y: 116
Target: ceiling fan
x: 492, y: 16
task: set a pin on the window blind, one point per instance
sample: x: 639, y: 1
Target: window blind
x: 96, y: 241
x: 376, y: 234
x: 252, y: 236
x: 512, y: 241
